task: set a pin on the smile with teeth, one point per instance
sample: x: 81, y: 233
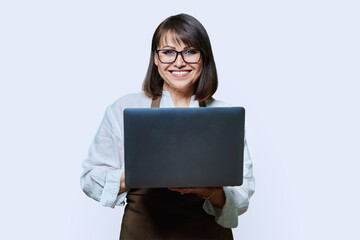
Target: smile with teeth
x: 180, y: 73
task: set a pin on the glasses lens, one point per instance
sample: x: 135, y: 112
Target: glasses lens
x: 167, y: 55
x: 192, y: 55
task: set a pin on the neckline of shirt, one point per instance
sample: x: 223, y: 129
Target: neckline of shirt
x: 166, y: 100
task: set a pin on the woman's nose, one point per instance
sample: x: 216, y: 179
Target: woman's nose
x: 179, y: 62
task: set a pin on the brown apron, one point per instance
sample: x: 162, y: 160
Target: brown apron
x: 158, y: 213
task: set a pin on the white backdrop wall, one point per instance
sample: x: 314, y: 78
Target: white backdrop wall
x: 294, y: 65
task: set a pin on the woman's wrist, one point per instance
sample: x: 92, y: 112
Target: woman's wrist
x: 207, y: 196
x: 218, y: 199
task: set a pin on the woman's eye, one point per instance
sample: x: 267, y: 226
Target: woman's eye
x: 168, y: 52
x: 190, y: 52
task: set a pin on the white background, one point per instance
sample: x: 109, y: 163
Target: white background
x: 294, y: 65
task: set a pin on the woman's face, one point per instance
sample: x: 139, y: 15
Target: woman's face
x: 179, y: 75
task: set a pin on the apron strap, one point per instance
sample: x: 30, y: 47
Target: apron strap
x: 156, y: 103
x: 202, y: 104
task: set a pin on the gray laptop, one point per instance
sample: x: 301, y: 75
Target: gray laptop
x: 183, y: 147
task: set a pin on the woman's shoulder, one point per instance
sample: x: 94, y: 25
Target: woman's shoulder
x: 131, y: 100
x: 138, y: 99
x: 212, y: 102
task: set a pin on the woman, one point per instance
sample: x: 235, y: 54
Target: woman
x: 181, y: 73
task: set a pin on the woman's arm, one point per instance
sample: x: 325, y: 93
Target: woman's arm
x: 103, y: 168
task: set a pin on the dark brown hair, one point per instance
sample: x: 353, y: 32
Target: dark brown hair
x: 191, y: 32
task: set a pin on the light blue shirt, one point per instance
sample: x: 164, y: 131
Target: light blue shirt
x: 103, y: 167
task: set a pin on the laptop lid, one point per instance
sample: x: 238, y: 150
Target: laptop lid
x: 183, y: 147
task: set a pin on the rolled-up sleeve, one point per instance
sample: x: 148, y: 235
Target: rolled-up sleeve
x: 103, y: 167
x: 237, y: 198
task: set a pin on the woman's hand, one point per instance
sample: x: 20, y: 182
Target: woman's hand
x: 123, y: 188
x: 215, y: 195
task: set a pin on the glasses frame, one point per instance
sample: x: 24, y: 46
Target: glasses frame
x: 177, y: 53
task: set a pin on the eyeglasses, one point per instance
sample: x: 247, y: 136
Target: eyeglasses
x: 170, y: 56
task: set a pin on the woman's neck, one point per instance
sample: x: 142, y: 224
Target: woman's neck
x: 180, y: 98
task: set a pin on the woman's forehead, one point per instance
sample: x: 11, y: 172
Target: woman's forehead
x: 170, y: 38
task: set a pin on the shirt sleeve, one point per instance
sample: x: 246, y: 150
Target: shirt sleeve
x: 103, y: 167
x: 237, y: 198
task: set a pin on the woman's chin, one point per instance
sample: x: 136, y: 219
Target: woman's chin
x: 179, y: 86
x: 181, y: 89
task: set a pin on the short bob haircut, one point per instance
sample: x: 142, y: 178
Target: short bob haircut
x: 191, y: 32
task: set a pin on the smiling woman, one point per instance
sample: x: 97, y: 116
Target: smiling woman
x: 181, y: 73
x: 197, y: 67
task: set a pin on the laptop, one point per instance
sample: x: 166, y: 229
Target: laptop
x: 183, y: 147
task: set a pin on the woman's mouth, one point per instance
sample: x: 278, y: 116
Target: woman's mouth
x: 182, y: 73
